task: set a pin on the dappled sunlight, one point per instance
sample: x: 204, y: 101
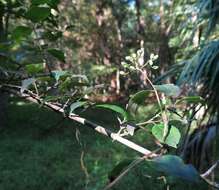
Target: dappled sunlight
x: 109, y: 94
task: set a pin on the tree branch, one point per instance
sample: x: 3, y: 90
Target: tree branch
x: 210, y: 170
x: 30, y: 96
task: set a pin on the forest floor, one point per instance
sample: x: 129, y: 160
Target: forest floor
x: 39, y: 150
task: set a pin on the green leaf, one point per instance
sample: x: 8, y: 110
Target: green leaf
x: 21, y: 32
x: 117, y: 170
x: 174, y: 166
x: 51, y: 98
x: 73, y: 81
x: 178, y: 123
x: 172, y: 138
x: 51, y: 3
x: 117, y: 109
x: 138, y: 100
x: 57, y: 74
x: 57, y: 54
x: 191, y: 100
x: 54, y: 3
x: 35, y: 68
x: 39, y: 2
x: 76, y: 105
x: 168, y: 89
x: 26, y: 83
x: 139, y: 97
x: 37, y: 14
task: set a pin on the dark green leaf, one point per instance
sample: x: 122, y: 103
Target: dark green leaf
x: 172, y: 138
x: 35, y: 68
x: 40, y: 2
x: 76, y: 105
x: 117, y: 109
x: 192, y: 100
x: 138, y: 100
x: 51, y: 98
x: 21, y: 32
x: 177, y: 123
x: 57, y: 54
x: 119, y: 168
x: 51, y: 3
x: 37, y: 14
x: 139, y: 97
x: 54, y: 3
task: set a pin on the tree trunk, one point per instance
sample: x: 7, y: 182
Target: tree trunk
x: 3, y: 109
x: 3, y: 96
x: 164, y: 53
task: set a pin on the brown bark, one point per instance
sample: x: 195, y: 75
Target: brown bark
x: 3, y: 109
x: 140, y: 20
x: 164, y: 53
x: 140, y: 40
x: 197, y: 33
x: 3, y: 96
x: 1, y: 24
x: 100, y: 15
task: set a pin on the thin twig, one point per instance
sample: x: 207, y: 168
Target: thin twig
x: 149, y: 121
x: 163, y: 111
x: 83, y: 167
x: 132, y: 165
x: 207, y: 173
x: 211, y: 183
x: 129, y: 167
x: 210, y: 170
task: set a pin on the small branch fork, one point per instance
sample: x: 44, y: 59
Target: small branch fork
x: 32, y: 97
x: 209, y: 172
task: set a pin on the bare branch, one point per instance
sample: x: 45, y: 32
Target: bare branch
x: 207, y: 173
x: 210, y: 170
x: 30, y: 96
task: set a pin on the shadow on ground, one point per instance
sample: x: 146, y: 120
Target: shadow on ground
x: 41, y: 151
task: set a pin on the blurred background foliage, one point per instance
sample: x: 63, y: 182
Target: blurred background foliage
x: 95, y: 37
